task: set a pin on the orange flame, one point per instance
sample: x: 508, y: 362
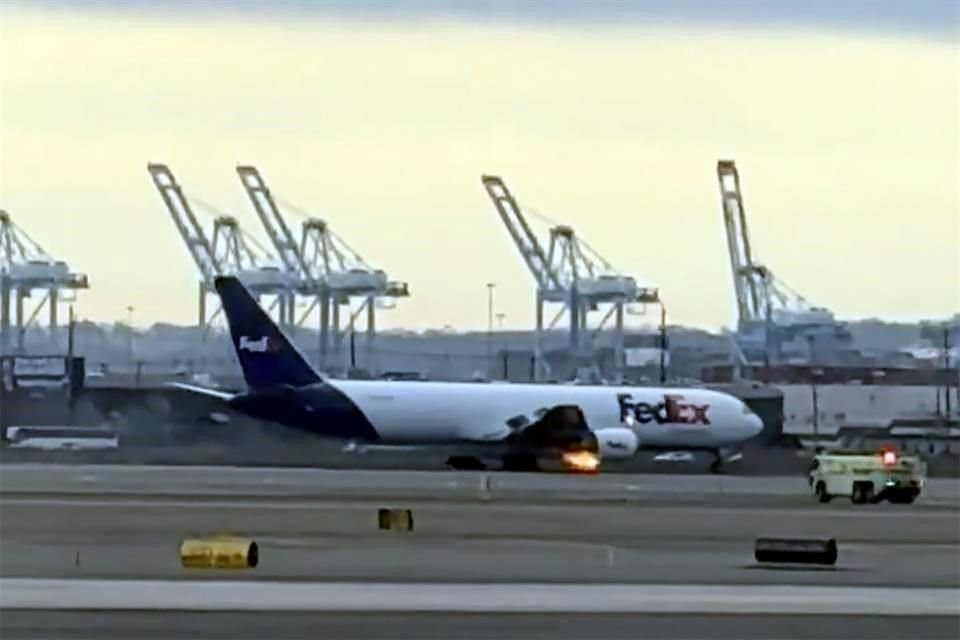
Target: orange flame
x: 580, y: 460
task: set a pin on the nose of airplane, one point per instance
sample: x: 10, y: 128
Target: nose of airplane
x: 754, y: 424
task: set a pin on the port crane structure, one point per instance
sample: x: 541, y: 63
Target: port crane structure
x: 569, y: 275
x: 229, y: 251
x: 769, y: 313
x: 25, y: 270
x: 329, y: 273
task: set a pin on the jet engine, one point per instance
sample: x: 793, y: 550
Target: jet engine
x: 616, y: 442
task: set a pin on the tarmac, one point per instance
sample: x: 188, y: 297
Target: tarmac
x: 490, y: 556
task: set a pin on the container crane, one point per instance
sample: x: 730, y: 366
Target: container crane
x: 231, y: 252
x: 570, y: 274
x: 330, y: 272
x: 769, y: 313
x: 26, y: 268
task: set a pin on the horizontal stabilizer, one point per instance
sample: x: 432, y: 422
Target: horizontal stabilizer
x: 213, y: 393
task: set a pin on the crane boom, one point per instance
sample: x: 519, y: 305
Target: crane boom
x: 523, y: 237
x: 749, y: 297
x: 200, y: 248
x: 276, y: 227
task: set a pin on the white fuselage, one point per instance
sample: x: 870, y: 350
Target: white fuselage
x: 446, y: 412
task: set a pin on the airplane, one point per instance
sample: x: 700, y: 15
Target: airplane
x: 517, y: 425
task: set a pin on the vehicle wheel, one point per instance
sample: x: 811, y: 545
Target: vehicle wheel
x: 716, y: 466
x: 862, y: 493
x: 902, y: 497
x: 821, y: 492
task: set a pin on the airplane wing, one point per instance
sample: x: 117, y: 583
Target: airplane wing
x: 213, y: 393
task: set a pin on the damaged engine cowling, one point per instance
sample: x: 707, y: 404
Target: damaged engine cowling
x: 564, y: 427
x: 616, y: 442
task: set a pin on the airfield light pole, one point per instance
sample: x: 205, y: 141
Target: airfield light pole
x: 490, y: 288
x: 503, y: 344
x: 946, y: 367
x: 814, y: 375
x: 130, y: 335
x: 663, y: 343
x: 70, y: 351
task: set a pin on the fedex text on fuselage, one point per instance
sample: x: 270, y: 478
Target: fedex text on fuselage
x: 671, y: 410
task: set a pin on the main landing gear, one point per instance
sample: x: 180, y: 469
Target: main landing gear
x: 465, y: 463
x: 520, y: 462
x: 511, y: 462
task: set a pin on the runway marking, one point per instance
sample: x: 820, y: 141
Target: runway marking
x: 242, y: 503
x: 28, y: 593
x: 313, y: 483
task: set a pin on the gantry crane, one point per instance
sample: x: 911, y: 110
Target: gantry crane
x: 26, y: 268
x: 769, y: 313
x: 229, y: 253
x: 572, y: 275
x: 330, y: 272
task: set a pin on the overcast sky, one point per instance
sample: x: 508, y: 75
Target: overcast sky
x: 923, y: 18
x: 610, y: 116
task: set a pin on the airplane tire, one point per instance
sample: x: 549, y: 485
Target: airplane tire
x: 716, y: 466
x: 465, y: 463
x: 520, y: 462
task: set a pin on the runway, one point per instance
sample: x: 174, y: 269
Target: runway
x: 647, y: 533
x: 149, y: 625
x: 426, y: 485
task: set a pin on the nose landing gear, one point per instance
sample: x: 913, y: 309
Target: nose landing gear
x: 722, y: 457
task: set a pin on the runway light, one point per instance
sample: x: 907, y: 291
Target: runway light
x: 580, y: 460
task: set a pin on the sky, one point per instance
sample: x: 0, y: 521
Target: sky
x: 843, y: 119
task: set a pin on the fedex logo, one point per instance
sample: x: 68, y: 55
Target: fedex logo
x: 672, y: 409
x: 260, y: 345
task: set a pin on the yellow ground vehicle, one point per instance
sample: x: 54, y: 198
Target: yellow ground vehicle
x: 867, y: 477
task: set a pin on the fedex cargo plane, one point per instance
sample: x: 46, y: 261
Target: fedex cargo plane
x: 515, y: 426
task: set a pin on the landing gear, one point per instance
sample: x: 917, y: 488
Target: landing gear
x: 465, y: 463
x: 520, y: 462
x: 717, y: 465
x: 511, y: 462
x: 721, y: 457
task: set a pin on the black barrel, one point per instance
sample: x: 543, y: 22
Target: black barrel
x: 798, y: 550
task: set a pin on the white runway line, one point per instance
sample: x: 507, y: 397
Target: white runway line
x: 26, y: 593
x: 341, y: 503
x: 267, y: 482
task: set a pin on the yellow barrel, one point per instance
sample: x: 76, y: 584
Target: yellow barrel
x: 219, y: 552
